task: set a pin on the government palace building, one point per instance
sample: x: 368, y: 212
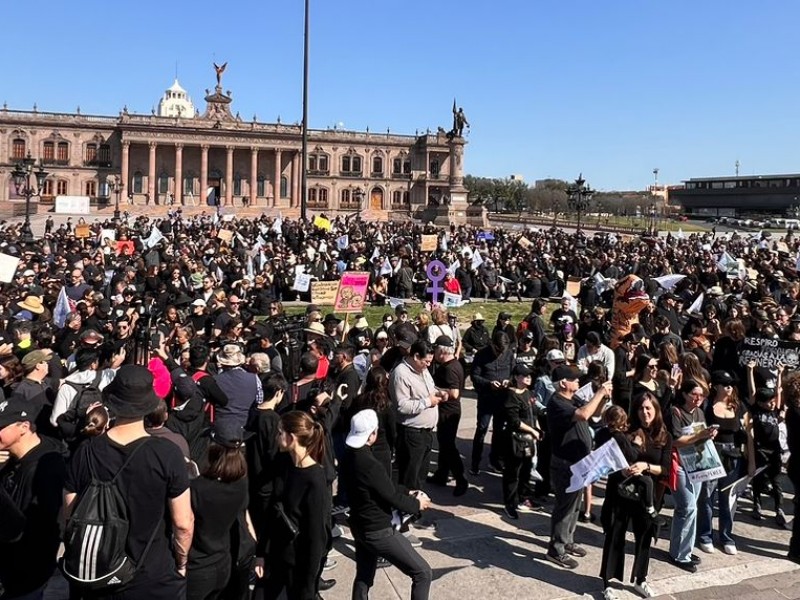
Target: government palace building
x: 183, y: 156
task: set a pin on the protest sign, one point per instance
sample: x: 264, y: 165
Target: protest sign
x: 107, y: 234
x: 324, y: 292
x: 768, y: 352
x: 125, y: 248
x: 226, y: 235
x: 302, y: 282
x: 453, y: 300
x: 524, y: 242
x: 574, y: 286
x: 82, y: 231
x: 322, y: 223
x: 485, y: 236
x: 607, y: 459
x: 429, y: 243
x: 8, y: 266
x: 352, y: 292
x: 700, y: 461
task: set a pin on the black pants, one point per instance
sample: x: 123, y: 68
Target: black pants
x: 395, y: 548
x: 516, y: 478
x: 772, y: 474
x: 449, y: 456
x: 612, y: 565
x: 488, y: 411
x: 208, y: 583
x: 413, y: 455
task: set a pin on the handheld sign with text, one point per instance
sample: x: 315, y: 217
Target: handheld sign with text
x: 768, y: 352
x: 324, y: 292
x: 352, y: 292
x: 429, y: 243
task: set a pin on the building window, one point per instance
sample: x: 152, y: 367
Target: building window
x: 138, y: 181
x: 237, y: 185
x: 435, y: 168
x: 163, y: 183
x: 377, y: 165
x: 262, y: 187
x: 345, y: 197
x: 188, y: 185
x: 351, y: 165
x: 284, y: 187
x: 91, y: 153
x: 91, y: 188
x: 18, y: 149
x: 62, y: 187
x: 397, y: 198
x: 47, y: 190
x: 48, y: 151
x: 318, y: 163
x: 397, y: 166
x: 407, y: 167
x: 406, y: 197
x: 318, y: 197
x: 63, y: 152
x: 104, y: 154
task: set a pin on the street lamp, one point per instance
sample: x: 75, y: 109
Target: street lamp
x: 653, y: 219
x: 116, y: 187
x: 24, y: 185
x: 579, y: 196
x: 358, y: 195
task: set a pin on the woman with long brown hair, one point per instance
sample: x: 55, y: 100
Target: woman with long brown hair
x: 650, y: 452
x: 300, y: 533
x: 376, y: 397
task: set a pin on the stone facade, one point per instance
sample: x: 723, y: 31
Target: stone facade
x: 184, y: 158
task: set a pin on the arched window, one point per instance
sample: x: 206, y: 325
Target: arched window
x: 397, y: 198
x: 18, y: 148
x: 188, y: 185
x: 284, y: 187
x: 47, y: 189
x: 237, y: 185
x: 323, y: 196
x: 48, y: 152
x: 163, y: 183
x: 138, y: 182
x: 344, y: 197
x: 90, y: 155
x: 63, y: 153
x: 62, y: 187
x: 318, y: 162
x: 377, y: 165
x: 91, y: 188
x: 435, y: 168
x: 261, y: 190
x: 351, y: 165
x: 104, y: 154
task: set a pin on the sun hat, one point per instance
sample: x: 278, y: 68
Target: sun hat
x: 231, y: 356
x: 31, y: 359
x: 315, y: 327
x: 478, y: 317
x: 32, y: 303
x: 363, y: 424
x: 554, y: 355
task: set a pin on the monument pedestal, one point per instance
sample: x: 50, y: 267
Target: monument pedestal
x: 454, y: 212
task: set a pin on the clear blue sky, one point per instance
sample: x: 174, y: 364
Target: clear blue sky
x: 611, y: 88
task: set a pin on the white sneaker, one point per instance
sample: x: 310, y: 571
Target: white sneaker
x: 644, y: 589
x: 707, y: 548
x: 730, y: 549
x: 610, y: 594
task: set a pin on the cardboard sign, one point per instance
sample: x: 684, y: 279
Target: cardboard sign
x: 524, y: 242
x: 8, y: 266
x: 226, y: 235
x: 352, y: 292
x: 125, y: 248
x: 429, y: 243
x: 574, y: 286
x: 324, y: 292
x: 82, y: 231
x: 322, y: 223
x: 768, y: 352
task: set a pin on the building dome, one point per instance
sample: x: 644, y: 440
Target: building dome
x: 176, y: 103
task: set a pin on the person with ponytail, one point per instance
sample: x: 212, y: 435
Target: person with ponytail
x: 300, y: 531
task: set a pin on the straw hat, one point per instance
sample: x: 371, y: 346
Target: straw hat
x: 33, y: 304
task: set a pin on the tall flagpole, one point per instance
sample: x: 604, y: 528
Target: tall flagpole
x: 304, y: 153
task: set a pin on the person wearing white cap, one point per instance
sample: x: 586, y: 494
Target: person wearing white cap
x: 373, y: 496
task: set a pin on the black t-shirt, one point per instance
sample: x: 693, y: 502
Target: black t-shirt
x: 765, y: 428
x: 155, y: 475
x: 216, y: 505
x: 570, y: 440
x: 31, y: 491
x: 450, y: 376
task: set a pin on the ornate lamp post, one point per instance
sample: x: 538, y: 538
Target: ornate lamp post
x: 579, y: 196
x: 653, y: 223
x: 116, y: 187
x: 28, y: 182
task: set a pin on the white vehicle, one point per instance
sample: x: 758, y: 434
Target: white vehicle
x: 791, y: 223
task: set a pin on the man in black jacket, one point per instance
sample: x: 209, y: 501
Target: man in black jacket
x: 31, y: 484
x: 373, y: 497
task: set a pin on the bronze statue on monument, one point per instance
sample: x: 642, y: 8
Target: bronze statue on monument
x: 459, y: 122
x: 220, y: 71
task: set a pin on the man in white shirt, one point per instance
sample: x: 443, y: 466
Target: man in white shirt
x: 87, y: 360
x: 595, y: 351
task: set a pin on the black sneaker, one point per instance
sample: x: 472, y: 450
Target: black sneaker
x: 757, y: 514
x: 688, y: 565
x: 575, y: 550
x: 564, y: 561
x: 475, y: 471
x: 461, y: 488
x: 511, y: 512
x: 435, y: 480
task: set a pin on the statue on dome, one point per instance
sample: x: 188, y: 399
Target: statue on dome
x: 220, y: 71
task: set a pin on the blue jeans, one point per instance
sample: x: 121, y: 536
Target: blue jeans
x: 684, y: 521
x: 705, y: 516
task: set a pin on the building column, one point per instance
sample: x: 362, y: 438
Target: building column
x: 125, y: 171
x: 203, y: 175
x: 178, y: 193
x: 229, y: 176
x: 253, y: 175
x: 295, y: 181
x: 151, y: 174
x: 276, y: 182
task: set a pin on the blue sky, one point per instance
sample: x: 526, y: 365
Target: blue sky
x: 609, y: 88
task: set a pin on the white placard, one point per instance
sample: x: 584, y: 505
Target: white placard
x: 302, y: 282
x: 73, y: 205
x: 8, y: 267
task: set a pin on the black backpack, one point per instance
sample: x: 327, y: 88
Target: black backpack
x: 74, y: 419
x: 95, y: 552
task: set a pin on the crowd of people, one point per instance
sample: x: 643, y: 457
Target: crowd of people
x: 182, y: 434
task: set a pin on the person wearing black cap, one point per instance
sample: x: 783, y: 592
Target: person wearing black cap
x: 402, y: 326
x: 219, y: 503
x: 570, y: 440
x: 519, y: 421
x: 449, y: 376
x: 156, y: 477
x: 504, y: 324
x: 31, y: 485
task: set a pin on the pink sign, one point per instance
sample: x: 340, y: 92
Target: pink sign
x: 352, y: 292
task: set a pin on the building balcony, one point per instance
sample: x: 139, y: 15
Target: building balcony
x: 317, y: 205
x: 96, y: 162
x: 401, y: 176
x: 352, y: 205
x: 352, y: 174
x: 376, y: 175
x: 58, y: 162
x: 318, y: 172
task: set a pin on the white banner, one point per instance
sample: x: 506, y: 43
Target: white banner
x: 302, y: 282
x: 607, y: 459
x: 74, y: 205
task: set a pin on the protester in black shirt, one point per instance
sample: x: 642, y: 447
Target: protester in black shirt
x: 449, y: 376
x: 373, y: 497
x: 31, y: 485
x: 376, y: 397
